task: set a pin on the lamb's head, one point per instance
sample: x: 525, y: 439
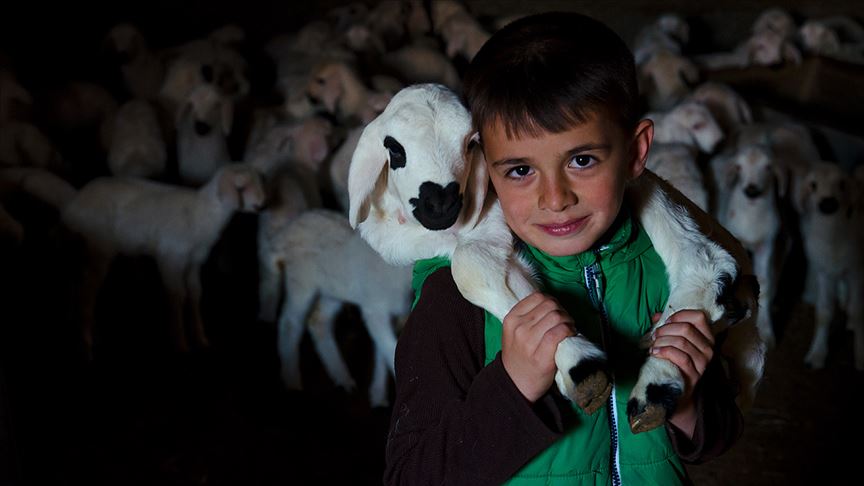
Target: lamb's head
x: 828, y: 193
x: 768, y: 48
x: 410, y: 172
x: 698, y: 121
x: 206, y: 110
x: 753, y: 171
x: 675, y: 26
x: 818, y: 38
x: 238, y: 187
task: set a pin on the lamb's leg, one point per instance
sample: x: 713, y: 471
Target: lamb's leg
x: 378, y: 386
x: 320, y: 323
x: 825, y: 301
x: 175, y: 289
x: 291, y: 327
x: 193, y: 284
x: 269, y: 287
x: 581, y: 375
x: 656, y: 392
x: 762, y: 257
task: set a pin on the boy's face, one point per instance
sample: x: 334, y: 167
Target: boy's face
x: 560, y: 192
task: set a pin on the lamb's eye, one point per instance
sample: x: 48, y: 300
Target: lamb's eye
x: 397, y: 152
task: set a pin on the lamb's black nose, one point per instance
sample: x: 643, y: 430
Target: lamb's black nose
x: 202, y: 128
x: 752, y: 191
x: 438, y: 207
x: 828, y: 205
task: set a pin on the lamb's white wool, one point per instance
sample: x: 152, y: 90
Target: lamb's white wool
x: 669, y: 33
x: 463, y: 35
x: 753, y: 184
x: 326, y: 264
x: 176, y: 226
x: 676, y: 163
x: 418, y: 142
x: 762, y: 48
x: 688, y: 123
x: 729, y: 108
x: 203, y: 122
x: 420, y: 63
x: 839, y: 37
x: 337, y: 87
x: 830, y: 207
x: 143, y: 69
x: 137, y: 147
x: 23, y: 144
x: 665, y: 78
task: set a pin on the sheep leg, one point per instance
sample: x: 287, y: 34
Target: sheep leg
x: 269, y: 288
x: 175, y: 289
x: 320, y: 323
x: 380, y: 328
x: 762, y: 263
x: 581, y: 375
x: 378, y: 385
x: 825, y: 300
x: 290, y: 334
x: 193, y: 284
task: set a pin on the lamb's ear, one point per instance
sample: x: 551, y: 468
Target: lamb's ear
x: 227, y: 113
x: 477, y: 183
x: 367, y: 165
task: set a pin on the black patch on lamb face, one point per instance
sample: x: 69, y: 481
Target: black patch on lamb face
x: 397, y: 152
x: 437, y: 208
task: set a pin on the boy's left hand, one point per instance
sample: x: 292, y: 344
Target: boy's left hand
x: 687, y: 341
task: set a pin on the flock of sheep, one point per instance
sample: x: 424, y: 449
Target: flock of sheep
x: 171, y: 175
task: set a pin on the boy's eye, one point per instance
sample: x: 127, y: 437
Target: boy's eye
x: 519, y: 171
x: 582, y: 161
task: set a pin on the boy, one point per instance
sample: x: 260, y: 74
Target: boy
x: 554, y: 99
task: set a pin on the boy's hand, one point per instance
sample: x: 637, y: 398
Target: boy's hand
x: 532, y: 330
x: 687, y: 341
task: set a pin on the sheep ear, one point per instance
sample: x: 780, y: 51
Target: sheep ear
x: 477, y: 184
x: 227, y: 112
x: 367, y: 165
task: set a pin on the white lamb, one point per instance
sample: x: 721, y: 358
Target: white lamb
x: 839, y: 37
x: 689, y: 123
x: 463, y: 35
x: 669, y: 33
x: 666, y: 78
x: 832, y: 218
x: 338, y: 87
x: 771, y: 43
x: 676, y: 163
x: 202, y: 123
x: 729, y: 108
x: 434, y: 202
x: 420, y: 63
x: 143, y: 69
x: 176, y: 226
x: 137, y: 146
x: 327, y: 265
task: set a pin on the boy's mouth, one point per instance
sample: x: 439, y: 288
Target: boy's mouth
x: 565, y: 228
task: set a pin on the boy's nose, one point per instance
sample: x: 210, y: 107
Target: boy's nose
x: 556, y: 195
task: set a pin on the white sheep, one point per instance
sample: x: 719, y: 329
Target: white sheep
x: 666, y: 78
x: 729, y: 108
x: 143, y: 69
x: 689, y: 123
x: 137, y: 146
x: 832, y: 218
x: 339, y: 89
x: 668, y: 33
x: 839, y: 37
x: 176, y: 226
x: 763, y: 48
x: 203, y: 122
x: 677, y: 164
x: 434, y: 203
x: 463, y: 35
x: 327, y: 265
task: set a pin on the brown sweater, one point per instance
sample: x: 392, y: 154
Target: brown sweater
x: 456, y: 421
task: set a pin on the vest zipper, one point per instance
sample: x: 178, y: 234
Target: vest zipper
x: 594, y: 281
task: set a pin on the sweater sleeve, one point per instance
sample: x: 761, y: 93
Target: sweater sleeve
x: 719, y: 422
x: 456, y: 421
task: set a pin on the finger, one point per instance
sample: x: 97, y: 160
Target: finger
x: 680, y: 359
x: 697, y: 357
x: 527, y: 304
x: 656, y: 317
x: 696, y: 317
x: 551, y: 338
x: 689, y: 331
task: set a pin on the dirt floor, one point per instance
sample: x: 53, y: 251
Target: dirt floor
x: 141, y: 414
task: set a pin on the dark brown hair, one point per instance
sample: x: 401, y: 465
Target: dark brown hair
x: 550, y: 72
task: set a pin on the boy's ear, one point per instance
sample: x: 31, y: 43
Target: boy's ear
x: 643, y: 136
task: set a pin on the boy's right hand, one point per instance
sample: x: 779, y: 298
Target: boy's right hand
x: 532, y: 330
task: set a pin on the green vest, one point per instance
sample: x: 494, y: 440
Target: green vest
x: 631, y: 287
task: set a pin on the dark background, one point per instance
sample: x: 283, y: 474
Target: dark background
x: 139, y: 413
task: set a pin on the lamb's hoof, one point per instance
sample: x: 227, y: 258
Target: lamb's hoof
x: 659, y: 405
x: 592, y: 387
